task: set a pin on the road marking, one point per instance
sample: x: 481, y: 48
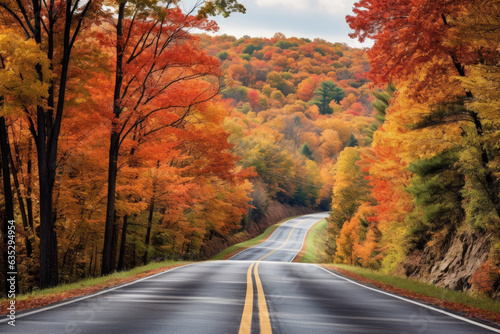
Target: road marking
x: 264, y: 319
x: 50, y: 307
x: 288, y: 238
x: 246, y: 317
x: 304, y: 239
x: 265, y: 322
x: 289, y: 220
x: 416, y: 303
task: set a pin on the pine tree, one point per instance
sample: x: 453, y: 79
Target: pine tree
x: 326, y: 93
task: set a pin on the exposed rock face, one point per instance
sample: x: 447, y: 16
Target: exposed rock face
x: 451, y: 262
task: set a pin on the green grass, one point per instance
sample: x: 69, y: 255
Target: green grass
x: 249, y: 243
x: 316, y: 238
x: 426, y: 289
x: 89, y: 282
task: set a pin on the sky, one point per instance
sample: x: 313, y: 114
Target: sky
x: 311, y: 19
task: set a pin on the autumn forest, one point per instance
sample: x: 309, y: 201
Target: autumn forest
x: 129, y: 133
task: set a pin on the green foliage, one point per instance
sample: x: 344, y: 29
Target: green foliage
x: 320, y: 51
x: 382, y: 102
x: 436, y: 189
x: 314, y: 251
x: 300, y: 197
x: 430, y: 290
x: 284, y: 44
x: 327, y: 92
x: 222, y: 55
x: 277, y: 81
x: 352, y: 142
x: 306, y: 151
x: 380, y: 105
x: 237, y: 94
x: 251, y: 48
x: 220, y: 7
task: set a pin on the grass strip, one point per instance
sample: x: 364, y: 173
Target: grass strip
x: 234, y: 249
x: 87, y: 286
x: 467, y: 303
x: 314, y: 250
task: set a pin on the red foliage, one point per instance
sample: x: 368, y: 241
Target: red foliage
x: 484, y: 279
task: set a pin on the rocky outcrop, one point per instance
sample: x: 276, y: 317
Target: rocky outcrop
x: 450, y: 262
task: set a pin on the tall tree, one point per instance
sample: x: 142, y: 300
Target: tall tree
x: 25, y: 78
x: 44, y: 22
x: 157, y: 64
x: 432, y: 65
x: 327, y: 92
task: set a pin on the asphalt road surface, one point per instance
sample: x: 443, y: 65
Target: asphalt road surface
x: 258, y: 291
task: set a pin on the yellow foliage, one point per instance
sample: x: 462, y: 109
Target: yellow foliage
x: 24, y: 72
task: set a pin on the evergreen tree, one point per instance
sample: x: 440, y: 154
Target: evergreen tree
x: 381, y: 104
x: 306, y: 151
x: 436, y: 189
x: 326, y: 93
x: 352, y: 142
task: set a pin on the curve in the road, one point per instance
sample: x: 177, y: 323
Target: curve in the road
x: 285, y: 243
x: 247, y: 296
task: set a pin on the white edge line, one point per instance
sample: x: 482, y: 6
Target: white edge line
x: 415, y: 302
x: 277, y: 231
x: 50, y: 307
x: 304, y: 239
x: 264, y: 240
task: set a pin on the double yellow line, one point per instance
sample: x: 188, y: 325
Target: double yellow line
x: 264, y: 320
x: 246, y: 319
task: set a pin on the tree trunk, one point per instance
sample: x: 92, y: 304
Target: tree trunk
x: 134, y: 262
x: 123, y: 244
x: 489, y: 184
x: 48, y: 240
x: 8, y: 221
x: 148, y: 231
x: 114, y: 149
x: 114, y: 247
x: 110, y: 209
x: 95, y: 261
x: 29, y: 190
x: 20, y: 199
x: 150, y: 217
x: 489, y: 180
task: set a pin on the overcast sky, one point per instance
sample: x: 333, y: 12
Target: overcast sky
x: 294, y: 18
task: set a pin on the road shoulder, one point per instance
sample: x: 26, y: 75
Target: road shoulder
x: 467, y: 310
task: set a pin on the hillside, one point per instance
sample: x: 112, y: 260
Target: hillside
x: 412, y: 187
x: 135, y: 140
x: 295, y: 105
x: 429, y: 205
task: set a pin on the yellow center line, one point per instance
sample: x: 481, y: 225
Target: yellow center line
x: 265, y: 322
x: 288, y: 238
x: 246, y: 318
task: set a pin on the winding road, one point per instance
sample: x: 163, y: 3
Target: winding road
x: 257, y: 291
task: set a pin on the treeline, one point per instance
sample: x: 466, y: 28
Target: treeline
x: 295, y: 105
x: 127, y: 139
x: 113, y: 150
x: 431, y: 174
